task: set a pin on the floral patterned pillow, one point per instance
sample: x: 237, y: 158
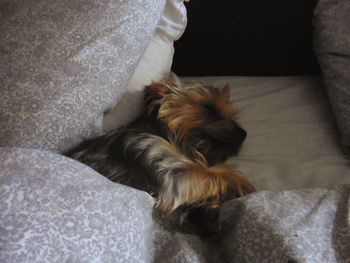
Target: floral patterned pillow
x: 63, y: 63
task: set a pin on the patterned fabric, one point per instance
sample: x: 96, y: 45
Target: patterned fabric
x: 311, y: 225
x: 63, y: 63
x: 332, y: 46
x: 54, y: 209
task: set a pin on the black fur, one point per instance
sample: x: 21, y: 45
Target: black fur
x: 117, y: 155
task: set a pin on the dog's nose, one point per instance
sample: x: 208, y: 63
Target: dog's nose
x: 238, y: 133
x: 238, y: 139
x: 241, y: 135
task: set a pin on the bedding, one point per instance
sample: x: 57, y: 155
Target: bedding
x: 154, y: 65
x: 299, y: 214
x: 54, y: 209
x: 310, y: 225
x: 63, y: 61
x: 332, y: 46
x: 301, y: 210
x: 292, y: 137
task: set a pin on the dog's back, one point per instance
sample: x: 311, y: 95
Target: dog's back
x: 108, y: 154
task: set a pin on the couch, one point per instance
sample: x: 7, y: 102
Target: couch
x: 69, y: 67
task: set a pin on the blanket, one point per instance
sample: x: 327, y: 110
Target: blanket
x: 54, y: 209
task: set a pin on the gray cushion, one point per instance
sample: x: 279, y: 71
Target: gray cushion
x: 54, y: 209
x: 332, y: 46
x: 63, y: 63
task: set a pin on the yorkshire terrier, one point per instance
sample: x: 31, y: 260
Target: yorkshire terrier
x: 175, y: 150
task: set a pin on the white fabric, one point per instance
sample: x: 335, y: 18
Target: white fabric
x: 155, y: 65
x: 173, y: 22
x: 292, y: 138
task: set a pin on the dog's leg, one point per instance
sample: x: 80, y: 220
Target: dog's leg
x: 181, y: 180
x: 202, y: 186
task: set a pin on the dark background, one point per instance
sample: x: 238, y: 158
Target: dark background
x: 247, y: 37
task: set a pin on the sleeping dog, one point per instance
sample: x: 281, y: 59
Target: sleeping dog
x: 175, y: 150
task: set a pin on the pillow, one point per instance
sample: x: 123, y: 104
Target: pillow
x: 64, y: 63
x: 54, y: 209
x: 154, y: 66
x: 332, y: 47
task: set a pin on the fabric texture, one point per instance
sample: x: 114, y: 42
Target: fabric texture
x: 310, y: 225
x: 173, y: 22
x: 291, y: 134
x: 155, y: 65
x: 57, y: 210
x: 63, y: 63
x: 54, y: 209
x: 332, y: 46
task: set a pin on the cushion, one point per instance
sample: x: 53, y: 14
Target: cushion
x: 54, y: 209
x: 63, y: 63
x: 332, y: 46
x: 155, y: 65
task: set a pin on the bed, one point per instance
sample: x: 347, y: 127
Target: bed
x: 294, y: 108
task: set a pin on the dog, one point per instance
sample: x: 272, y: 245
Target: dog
x: 175, y: 150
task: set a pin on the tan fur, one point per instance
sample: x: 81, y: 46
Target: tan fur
x: 179, y: 108
x: 180, y: 111
x: 199, y: 184
x: 175, y: 149
x: 204, y: 186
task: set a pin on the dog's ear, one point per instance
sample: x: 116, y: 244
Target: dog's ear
x: 153, y: 95
x: 157, y: 90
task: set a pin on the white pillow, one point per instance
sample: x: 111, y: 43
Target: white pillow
x: 155, y: 65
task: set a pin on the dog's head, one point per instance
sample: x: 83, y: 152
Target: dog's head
x: 199, y: 117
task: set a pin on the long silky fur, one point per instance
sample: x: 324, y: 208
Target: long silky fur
x: 154, y: 154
